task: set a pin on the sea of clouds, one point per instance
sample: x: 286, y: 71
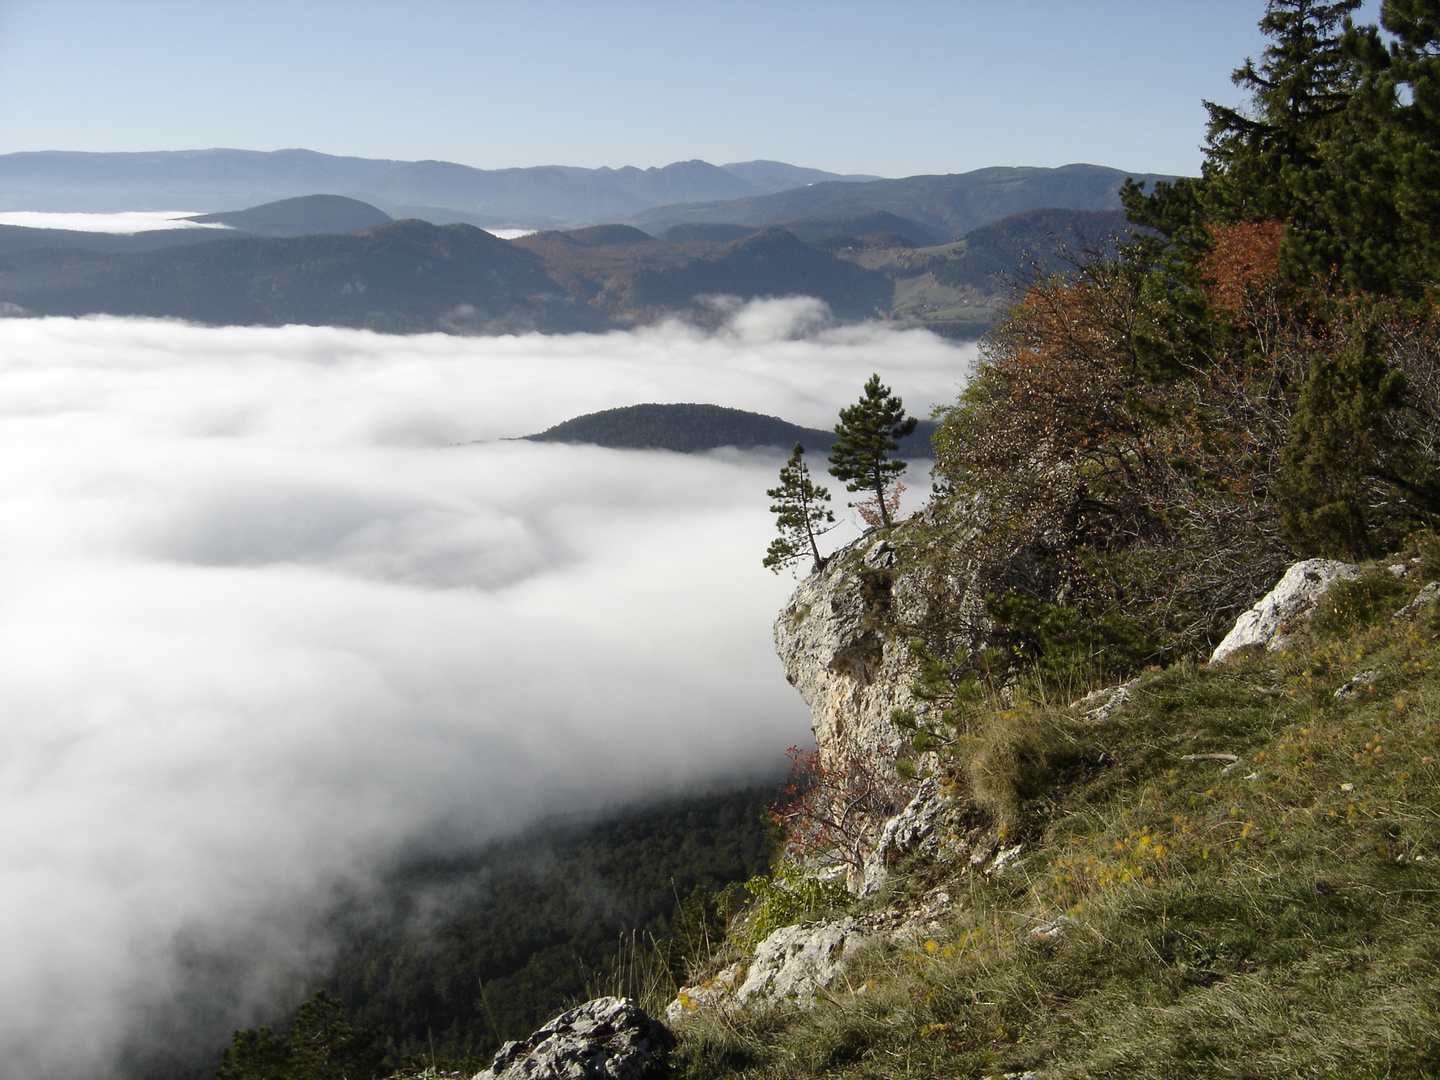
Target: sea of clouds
x: 279, y: 606
x: 126, y: 223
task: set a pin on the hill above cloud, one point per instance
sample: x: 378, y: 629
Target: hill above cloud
x: 693, y: 428
x: 401, y: 277
x: 306, y: 215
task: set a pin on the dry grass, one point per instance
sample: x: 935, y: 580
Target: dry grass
x: 1278, y: 919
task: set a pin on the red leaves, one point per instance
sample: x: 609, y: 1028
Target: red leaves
x: 1243, y: 264
x: 869, y: 509
x: 831, y: 807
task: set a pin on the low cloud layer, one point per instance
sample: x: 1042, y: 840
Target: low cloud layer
x: 125, y: 223
x: 272, y: 616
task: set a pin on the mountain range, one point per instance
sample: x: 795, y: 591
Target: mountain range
x: 441, y: 192
x: 933, y: 251
x: 951, y: 204
x: 399, y: 277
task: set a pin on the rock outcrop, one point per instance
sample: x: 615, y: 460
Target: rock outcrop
x: 794, y: 964
x: 1104, y: 703
x: 1426, y: 596
x: 606, y: 1039
x: 849, y: 671
x: 931, y: 824
x: 1284, y: 608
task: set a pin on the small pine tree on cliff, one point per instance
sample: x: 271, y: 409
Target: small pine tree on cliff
x: 865, y: 438
x: 800, y: 514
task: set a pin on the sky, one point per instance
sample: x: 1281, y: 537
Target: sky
x: 281, y: 606
x: 892, y: 88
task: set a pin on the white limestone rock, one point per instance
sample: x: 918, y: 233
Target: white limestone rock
x: 1054, y: 929
x: 609, y: 1038
x: 1356, y: 683
x: 718, y: 992
x: 797, y: 962
x: 1282, y: 609
x: 929, y: 821
x: 1423, y: 599
x: 794, y: 965
x: 850, y: 674
x: 1102, y: 704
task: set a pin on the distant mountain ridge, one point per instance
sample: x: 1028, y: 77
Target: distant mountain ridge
x: 951, y: 204
x: 940, y: 252
x: 544, y: 196
x: 400, y: 277
x: 413, y: 276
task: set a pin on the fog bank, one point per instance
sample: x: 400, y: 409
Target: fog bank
x: 266, y: 625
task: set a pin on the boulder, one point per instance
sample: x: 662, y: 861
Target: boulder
x: 1102, y: 704
x: 1284, y: 607
x: 609, y: 1038
x: 718, y: 992
x: 1423, y: 599
x: 1356, y: 683
x: 796, y: 962
x: 792, y: 965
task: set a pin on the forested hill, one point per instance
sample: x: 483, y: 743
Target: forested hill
x: 952, y: 204
x: 691, y: 428
x: 399, y: 277
x: 307, y: 215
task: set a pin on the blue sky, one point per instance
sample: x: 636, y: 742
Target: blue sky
x: 895, y: 89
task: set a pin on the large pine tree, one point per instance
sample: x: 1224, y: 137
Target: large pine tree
x: 865, y: 440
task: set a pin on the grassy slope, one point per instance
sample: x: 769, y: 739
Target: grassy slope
x: 1275, y: 921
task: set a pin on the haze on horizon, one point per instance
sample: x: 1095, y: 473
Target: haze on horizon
x: 928, y: 86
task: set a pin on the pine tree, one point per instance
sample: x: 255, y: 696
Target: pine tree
x: 865, y: 438
x: 1360, y: 468
x: 1272, y: 158
x: 801, y: 515
x: 1376, y: 195
x: 1260, y: 160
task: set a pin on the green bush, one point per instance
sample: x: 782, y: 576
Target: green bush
x: 787, y: 897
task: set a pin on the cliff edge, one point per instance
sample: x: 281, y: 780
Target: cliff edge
x: 837, y: 643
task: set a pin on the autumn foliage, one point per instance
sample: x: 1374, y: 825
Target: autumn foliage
x: 1243, y: 265
x: 830, y: 805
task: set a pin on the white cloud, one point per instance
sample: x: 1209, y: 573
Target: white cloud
x: 265, y: 625
x: 127, y: 223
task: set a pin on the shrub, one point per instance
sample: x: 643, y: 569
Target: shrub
x: 787, y: 897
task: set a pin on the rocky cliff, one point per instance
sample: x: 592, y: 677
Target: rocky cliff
x: 845, y: 648
x: 837, y: 642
